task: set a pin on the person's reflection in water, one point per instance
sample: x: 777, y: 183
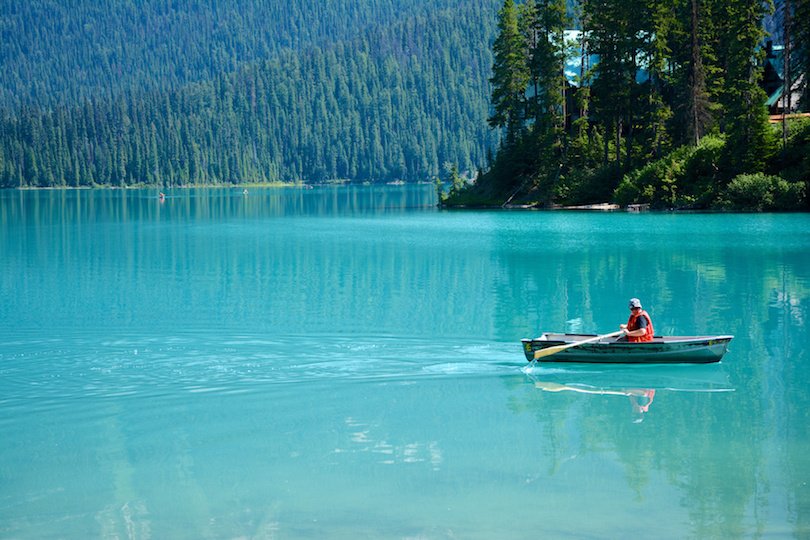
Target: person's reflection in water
x: 640, y: 398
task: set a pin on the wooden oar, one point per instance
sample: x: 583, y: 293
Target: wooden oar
x: 542, y: 353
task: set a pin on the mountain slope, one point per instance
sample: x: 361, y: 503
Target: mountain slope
x: 394, y: 102
x: 56, y: 51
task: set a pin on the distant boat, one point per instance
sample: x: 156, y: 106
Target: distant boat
x: 661, y: 350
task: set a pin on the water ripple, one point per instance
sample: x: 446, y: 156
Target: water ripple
x: 55, y: 371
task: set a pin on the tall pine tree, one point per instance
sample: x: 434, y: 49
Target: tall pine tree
x: 749, y: 138
x: 510, y: 75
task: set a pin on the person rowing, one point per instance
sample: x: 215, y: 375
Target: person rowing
x: 639, y: 326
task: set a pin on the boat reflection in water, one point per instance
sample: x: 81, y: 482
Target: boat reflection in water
x: 636, y: 383
x: 640, y: 398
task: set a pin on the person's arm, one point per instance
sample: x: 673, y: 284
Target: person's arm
x: 638, y: 332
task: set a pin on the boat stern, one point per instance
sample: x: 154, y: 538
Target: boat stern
x: 527, y: 348
x: 532, y: 345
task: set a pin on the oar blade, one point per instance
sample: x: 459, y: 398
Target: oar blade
x: 548, y: 351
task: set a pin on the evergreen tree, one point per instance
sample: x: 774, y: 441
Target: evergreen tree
x: 800, y: 40
x: 609, y: 36
x: 698, y: 115
x: 510, y: 74
x: 545, y: 24
x: 454, y: 179
x: 657, y: 41
x: 786, y: 101
x: 749, y: 138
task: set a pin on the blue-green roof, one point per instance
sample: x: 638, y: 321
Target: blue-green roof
x: 773, y: 98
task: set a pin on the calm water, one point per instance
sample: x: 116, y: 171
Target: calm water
x: 345, y: 363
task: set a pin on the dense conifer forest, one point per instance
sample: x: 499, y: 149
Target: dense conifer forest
x: 666, y: 105
x: 649, y: 101
x: 58, y: 51
x: 182, y: 92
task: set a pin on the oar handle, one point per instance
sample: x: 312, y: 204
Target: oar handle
x: 553, y: 350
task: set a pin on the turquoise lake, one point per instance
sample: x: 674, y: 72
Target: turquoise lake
x: 345, y: 363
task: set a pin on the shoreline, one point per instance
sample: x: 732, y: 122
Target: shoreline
x: 245, y: 185
x: 611, y: 209
x: 159, y: 188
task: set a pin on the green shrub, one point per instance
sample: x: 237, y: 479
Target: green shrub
x: 760, y: 192
x: 793, y: 162
x: 584, y: 185
x: 684, y: 178
x: 627, y: 192
x: 702, y: 171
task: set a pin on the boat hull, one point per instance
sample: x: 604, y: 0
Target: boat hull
x: 662, y: 350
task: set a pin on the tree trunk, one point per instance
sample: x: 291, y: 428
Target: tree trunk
x: 619, y: 142
x: 607, y: 143
x: 697, y: 82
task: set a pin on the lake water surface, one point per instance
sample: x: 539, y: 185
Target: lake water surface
x: 345, y: 363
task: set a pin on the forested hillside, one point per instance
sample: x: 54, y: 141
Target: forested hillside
x: 654, y: 102
x: 177, y: 92
x: 58, y: 51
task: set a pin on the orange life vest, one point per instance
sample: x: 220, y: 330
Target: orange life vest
x: 631, y: 325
